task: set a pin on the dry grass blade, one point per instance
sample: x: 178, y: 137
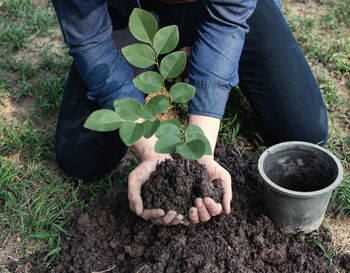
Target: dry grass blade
x: 107, y: 270
x: 141, y: 268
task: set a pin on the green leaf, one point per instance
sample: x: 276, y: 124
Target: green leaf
x: 142, y: 25
x: 166, y: 39
x: 130, y: 132
x: 172, y: 121
x: 182, y: 92
x: 173, y: 64
x: 128, y: 109
x: 150, y: 127
x: 148, y: 111
x: 194, y: 149
x: 195, y: 132
x: 103, y: 120
x: 167, y: 129
x: 193, y: 128
x: 139, y: 55
x: 149, y: 82
x: 161, y: 102
x: 202, y: 137
x: 167, y: 144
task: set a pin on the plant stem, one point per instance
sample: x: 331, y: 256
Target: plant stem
x: 169, y: 101
x: 157, y: 62
x: 183, y: 134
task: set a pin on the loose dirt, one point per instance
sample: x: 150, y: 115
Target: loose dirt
x: 175, y: 186
x: 108, y: 236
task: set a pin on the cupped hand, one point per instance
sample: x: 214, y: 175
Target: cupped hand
x: 135, y: 181
x: 206, y: 208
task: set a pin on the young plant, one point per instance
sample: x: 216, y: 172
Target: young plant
x: 135, y: 120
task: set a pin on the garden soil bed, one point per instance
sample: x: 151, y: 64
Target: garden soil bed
x: 108, y: 237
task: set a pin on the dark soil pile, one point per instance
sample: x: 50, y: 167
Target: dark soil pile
x: 345, y: 262
x: 173, y: 187
x: 107, y: 235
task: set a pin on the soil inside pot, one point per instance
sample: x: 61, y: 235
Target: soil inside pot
x: 301, y: 171
x: 172, y: 186
x: 108, y: 236
x: 302, y: 179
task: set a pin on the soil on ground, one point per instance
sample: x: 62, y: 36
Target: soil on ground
x: 344, y: 261
x: 108, y: 237
x: 174, y: 185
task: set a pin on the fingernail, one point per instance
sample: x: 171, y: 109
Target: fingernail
x: 206, y: 202
x: 199, y: 202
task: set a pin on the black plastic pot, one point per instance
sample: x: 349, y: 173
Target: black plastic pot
x: 299, y: 179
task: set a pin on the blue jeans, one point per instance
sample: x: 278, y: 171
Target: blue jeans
x: 273, y: 73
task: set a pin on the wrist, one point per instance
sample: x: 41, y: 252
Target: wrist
x: 206, y: 159
x: 210, y: 127
x: 145, y: 147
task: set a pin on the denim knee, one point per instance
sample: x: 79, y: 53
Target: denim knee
x: 90, y: 166
x: 313, y: 132
x: 78, y: 168
x: 317, y: 135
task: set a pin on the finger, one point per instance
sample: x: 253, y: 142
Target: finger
x: 169, y: 217
x: 134, y: 192
x: 212, y: 207
x: 135, y: 203
x: 193, y: 215
x: 185, y: 222
x: 148, y: 214
x: 132, y: 207
x: 203, y: 213
x: 157, y: 221
x: 227, y: 194
x: 226, y: 201
x: 177, y: 220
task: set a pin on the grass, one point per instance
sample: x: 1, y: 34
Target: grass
x: 22, y: 21
x: 36, y: 198
x: 325, y: 249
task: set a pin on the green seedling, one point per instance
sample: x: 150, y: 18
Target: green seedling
x: 135, y: 120
x: 327, y: 251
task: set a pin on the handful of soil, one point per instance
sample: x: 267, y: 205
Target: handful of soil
x: 172, y: 186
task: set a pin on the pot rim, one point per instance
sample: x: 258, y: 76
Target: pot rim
x: 299, y: 194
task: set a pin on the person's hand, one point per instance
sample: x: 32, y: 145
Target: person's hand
x: 206, y: 208
x: 149, y: 161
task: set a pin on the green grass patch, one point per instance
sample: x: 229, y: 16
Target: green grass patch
x: 22, y: 20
